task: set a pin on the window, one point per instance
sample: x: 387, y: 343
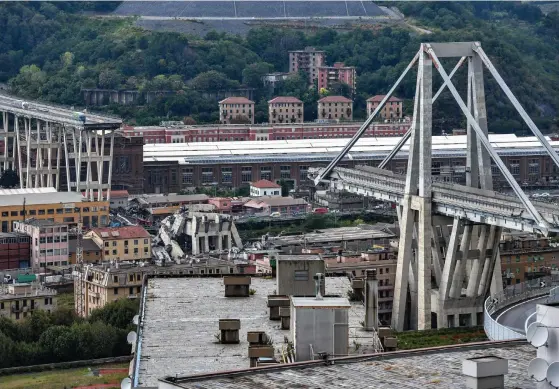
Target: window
x: 207, y: 175
x: 145, y: 241
x: 115, y: 278
x: 303, y: 171
x: 131, y: 290
x: 14, y: 213
x: 106, y: 244
x: 59, y: 211
x: 301, y: 275
x: 226, y: 175
x: 246, y: 174
x: 115, y: 290
x: 187, y: 175
x: 146, y: 250
x: 131, y: 277
x: 266, y: 173
x: 114, y: 252
x: 114, y: 243
x: 515, y: 167
x: 285, y: 171
x: 135, y: 250
x: 139, y: 289
x: 126, y: 250
x: 135, y: 242
x: 106, y: 252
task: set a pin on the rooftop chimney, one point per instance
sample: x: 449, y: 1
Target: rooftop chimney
x: 236, y: 286
x: 229, y: 330
x: 485, y: 372
x: 371, y: 301
x: 318, y: 280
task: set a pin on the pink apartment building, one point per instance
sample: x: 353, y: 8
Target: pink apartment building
x: 307, y: 60
x: 49, y: 242
x: 327, y: 75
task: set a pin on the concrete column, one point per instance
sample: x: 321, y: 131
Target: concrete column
x: 436, y: 255
x: 206, y: 244
x: 477, y: 268
x: 220, y: 242
x: 229, y: 241
x: 195, y: 248
x: 448, y: 271
x: 458, y: 278
x: 488, y: 265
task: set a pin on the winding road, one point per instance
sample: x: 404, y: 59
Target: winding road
x: 514, y: 317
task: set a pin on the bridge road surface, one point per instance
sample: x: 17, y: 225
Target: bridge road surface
x: 514, y: 317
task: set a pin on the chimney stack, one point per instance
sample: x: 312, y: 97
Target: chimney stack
x: 371, y: 301
x: 229, y: 330
x: 318, y: 280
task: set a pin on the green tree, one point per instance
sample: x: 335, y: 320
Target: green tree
x: 118, y: 313
x: 253, y: 73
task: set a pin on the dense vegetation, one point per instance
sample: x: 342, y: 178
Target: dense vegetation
x: 62, y: 336
x: 49, y: 52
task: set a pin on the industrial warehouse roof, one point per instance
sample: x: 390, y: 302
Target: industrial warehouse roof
x: 316, y: 150
x: 181, y: 320
x: 439, y: 368
x: 361, y: 232
x: 33, y: 198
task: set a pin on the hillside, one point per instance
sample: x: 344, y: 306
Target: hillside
x: 49, y: 52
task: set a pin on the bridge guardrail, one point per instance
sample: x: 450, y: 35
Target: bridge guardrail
x: 511, y: 295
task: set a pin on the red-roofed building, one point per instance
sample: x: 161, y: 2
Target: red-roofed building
x: 130, y: 243
x: 392, y: 110
x: 236, y: 110
x: 264, y: 188
x: 285, y: 109
x: 335, y: 108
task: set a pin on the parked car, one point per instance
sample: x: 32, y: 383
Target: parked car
x: 275, y: 214
x: 320, y: 210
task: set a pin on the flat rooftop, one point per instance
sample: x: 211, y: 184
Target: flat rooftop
x: 181, y: 321
x: 325, y: 149
x: 435, y: 368
x: 362, y: 232
x: 33, y: 198
x: 57, y: 114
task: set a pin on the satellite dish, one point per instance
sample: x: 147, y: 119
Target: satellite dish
x: 131, y: 338
x: 135, y: 319
x: 537, y: 369
x: 537, y: 334
x: 126, y: 383
x: 552, y: 374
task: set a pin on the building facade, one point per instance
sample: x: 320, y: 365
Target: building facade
x: 47, y: 204
x: 15, y: 250
x: 131, y: 243
x: 49, y: 242
x: 285, y: 206
x: 329, y: 75
x: 526, y: 257
x: 91, y: 252
x: 236, y: 110
x: 272, y: 80
x: 392, y: 110
x: 18, y: 301
x: 242, y: 132
x: 285, y: 109
x: 307, y: 60
x: 528, y: 162
x: 338, y: 108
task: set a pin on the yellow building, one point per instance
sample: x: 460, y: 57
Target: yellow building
x: 48, y: 204
x: 131, y: 243
x: 17, y: 301
x: 91, y: 252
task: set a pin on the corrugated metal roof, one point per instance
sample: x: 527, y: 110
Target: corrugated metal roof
x: 8, y: 199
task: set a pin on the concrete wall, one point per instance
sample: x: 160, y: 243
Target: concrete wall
x: 287, y: 283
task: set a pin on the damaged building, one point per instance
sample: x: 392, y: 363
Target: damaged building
x: 188, y: 232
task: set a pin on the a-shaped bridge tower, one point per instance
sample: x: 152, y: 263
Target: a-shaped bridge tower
x: 448, y: 254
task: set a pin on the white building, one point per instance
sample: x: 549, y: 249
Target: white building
x: 264, y: 188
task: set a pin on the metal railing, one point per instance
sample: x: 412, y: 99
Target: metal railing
x: 509, y: 296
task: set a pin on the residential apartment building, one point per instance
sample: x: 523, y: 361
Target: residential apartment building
x: 18, y: 301
x: 48, y: 204
x: 338, y: 108
x: 392, y: 110
x: 104, y: 284
x: 307, y: 60
x: 239, y: 110
x: 285, y: 109
x: 526, y: 257
x: 356, y: 265
x: 49, y: 242
x: 329, y: 75
x: 91, y: 252
x: 130, y: 243
x: 15, y: 250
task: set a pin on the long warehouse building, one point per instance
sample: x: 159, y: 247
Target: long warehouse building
x: 173, y: 167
